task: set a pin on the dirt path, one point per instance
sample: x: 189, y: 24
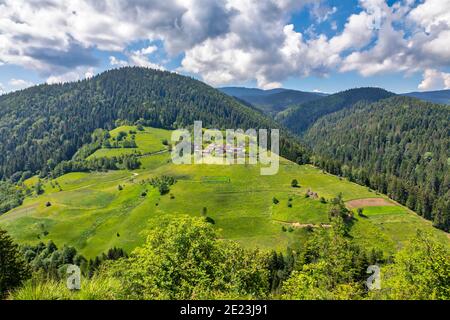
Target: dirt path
x: 309, y: 225
x: 369, y: 202
x: 303, y: 225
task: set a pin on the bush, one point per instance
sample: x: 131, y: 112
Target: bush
x: 184, y: 259
x: 360, y: 212
x: 163, y: 188
x: 163, y: 184
x: 210, y: 220
x: 275, y: 200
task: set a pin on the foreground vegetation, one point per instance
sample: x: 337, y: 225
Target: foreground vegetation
x: 183, y: 258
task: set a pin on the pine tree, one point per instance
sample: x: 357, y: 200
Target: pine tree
x: 13, y: 269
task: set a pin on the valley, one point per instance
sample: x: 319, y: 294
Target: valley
x: 88, y: 210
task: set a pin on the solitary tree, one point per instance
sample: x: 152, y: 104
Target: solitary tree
x: 38, y: 188
x: 360, y: 212
x: 294, y: 183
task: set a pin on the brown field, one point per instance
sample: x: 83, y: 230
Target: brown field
x: 370, y: 202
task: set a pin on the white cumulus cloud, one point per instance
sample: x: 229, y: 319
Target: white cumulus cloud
x: 224, y: 41
x: 75, y: 75
x: 435, y: 80
x: 20, y: 83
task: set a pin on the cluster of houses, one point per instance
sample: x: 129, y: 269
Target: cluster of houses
x: 217, y: 149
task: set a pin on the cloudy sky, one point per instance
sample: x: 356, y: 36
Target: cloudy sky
x: 326, y: 46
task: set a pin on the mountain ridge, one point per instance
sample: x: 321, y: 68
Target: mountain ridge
x: 271, y: 101
x: 298, y: 118
x: 438, y: 96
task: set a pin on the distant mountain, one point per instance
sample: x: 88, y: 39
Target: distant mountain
x: 43, y: 125
x: 271, y: 101
x: 299, y: 118
x: 442, y: 96
x: 251, y: 92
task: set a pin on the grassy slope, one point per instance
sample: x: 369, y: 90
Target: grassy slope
x: 93, y: 215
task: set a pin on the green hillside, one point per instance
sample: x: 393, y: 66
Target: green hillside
x: 91, y: 212
x: 271, y: 101
x: 298, y: 118
x: 398, y: 146
x: 46, y: 124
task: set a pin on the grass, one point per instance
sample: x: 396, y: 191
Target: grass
x: 304, y: 210
x: 92, y: 214
x: 91, y: 289
x: 148, y: 141
x: 389, y: 228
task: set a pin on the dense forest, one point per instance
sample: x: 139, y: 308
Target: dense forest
x: 398, y: 146
x: 299, y: 118
x: 271, y: 101
x: 46, y: 124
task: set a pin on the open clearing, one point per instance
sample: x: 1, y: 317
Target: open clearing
x: 92, y: 214
x: 370, y: 202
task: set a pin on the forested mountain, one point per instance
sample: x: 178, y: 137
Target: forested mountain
x: 271, y: 101
x: 43, y: 125
x: 299, y: 118
x: 398, y: 146
x: 250, y: 92
x: 442, y: 96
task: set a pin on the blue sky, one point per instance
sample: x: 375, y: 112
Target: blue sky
x: 308, y: 45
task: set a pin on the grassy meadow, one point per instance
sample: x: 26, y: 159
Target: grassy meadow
x: 91, y: 212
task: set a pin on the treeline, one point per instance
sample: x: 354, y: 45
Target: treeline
x: 399, y: 147
x: 183, y: 258
x: 126, y: 161
x: 47, y: 261
x: 44, y: 125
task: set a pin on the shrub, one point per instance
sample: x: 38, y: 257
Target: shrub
x: 184, y: 259
x: 210, y: 220
x: 360, y: 212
